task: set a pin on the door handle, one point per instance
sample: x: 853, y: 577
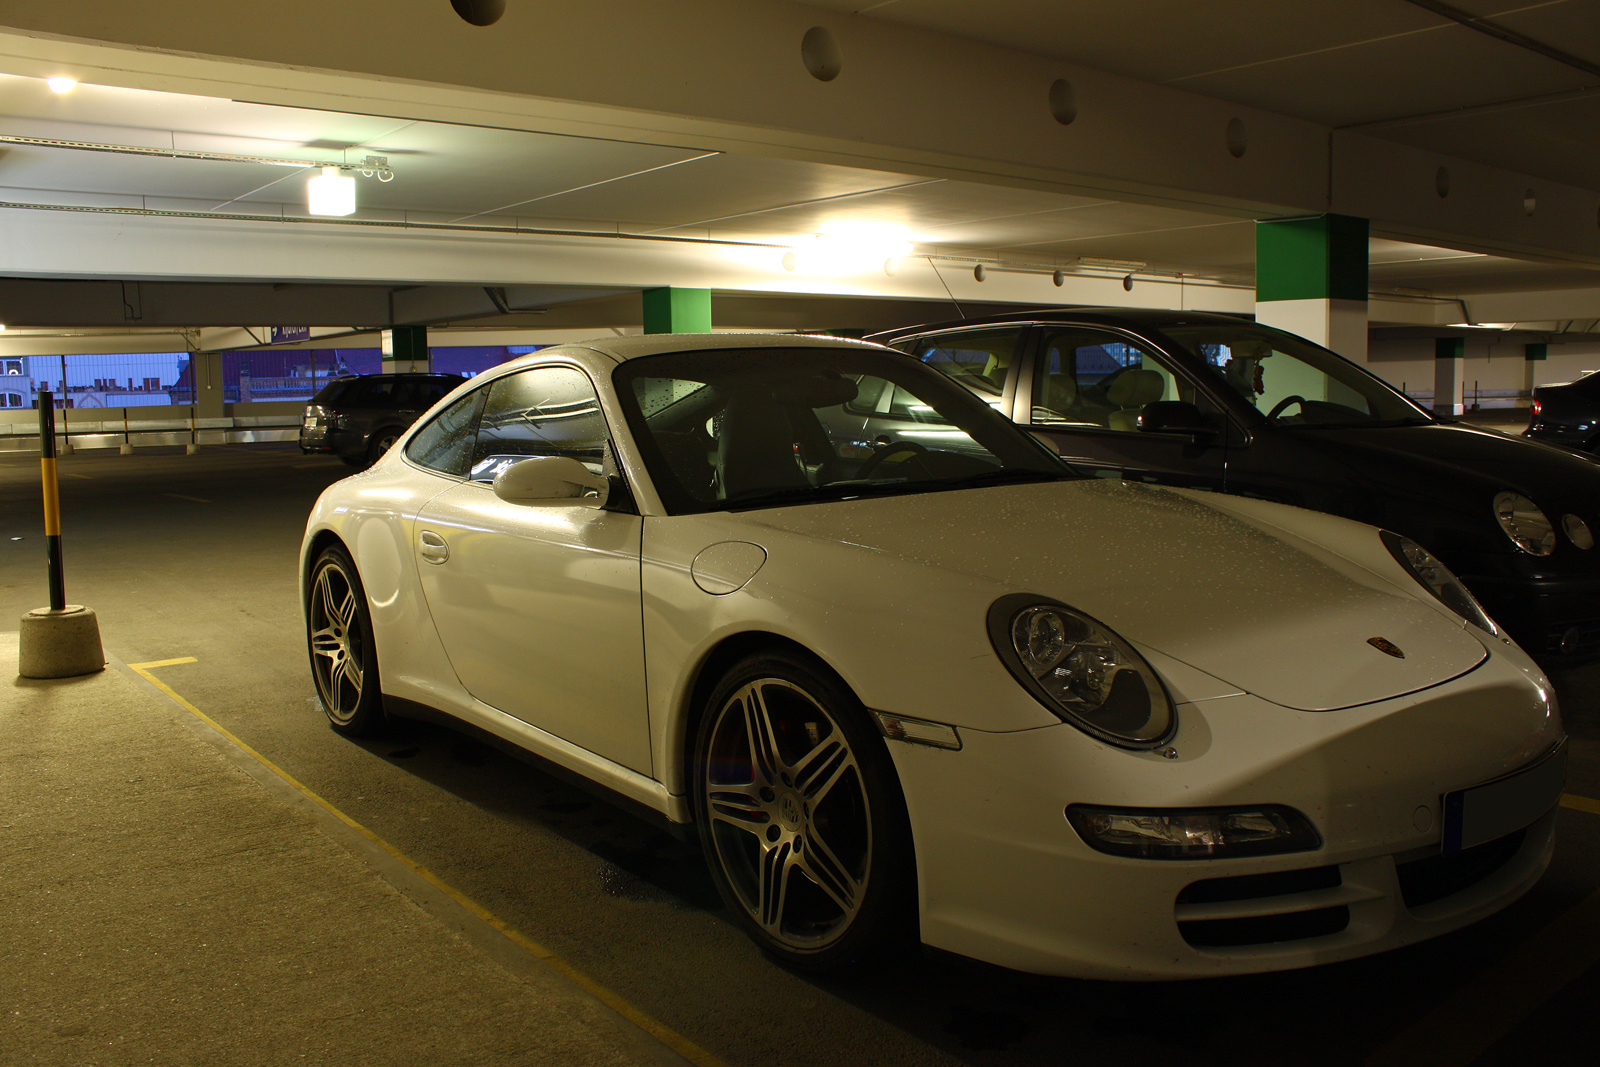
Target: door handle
x: 432, y: 548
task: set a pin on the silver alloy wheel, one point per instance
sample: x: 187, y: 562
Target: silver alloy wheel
x: 789, y: 817
x: 336, y: 642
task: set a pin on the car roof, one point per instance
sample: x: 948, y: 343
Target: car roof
x: 1108, y: 316
x: 621, y: 349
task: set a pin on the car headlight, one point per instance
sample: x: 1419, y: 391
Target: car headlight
x: 1436, y: 578
x: 1528, y: 527
x: 1081, y: 671
x: 1578, y: 531
x: 1194, y: 833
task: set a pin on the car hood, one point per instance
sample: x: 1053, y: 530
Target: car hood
x: 1290, y: 624
x: 1450, y: 454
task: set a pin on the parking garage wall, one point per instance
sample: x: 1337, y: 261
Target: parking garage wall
x: 1495, y: 367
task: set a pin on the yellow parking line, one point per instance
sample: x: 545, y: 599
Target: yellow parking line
x: 1572, y: 800
x: 671, y: 1038
x: 196, y: 499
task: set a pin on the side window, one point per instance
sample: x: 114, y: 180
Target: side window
x: 546, y: 411
x: 371, y: 392
x: 977, y: 359
x: 445, y: 443
x: 1097, y: 380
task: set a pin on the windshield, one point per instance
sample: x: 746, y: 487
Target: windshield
x: 1292, y: 381
x: 735, y: 428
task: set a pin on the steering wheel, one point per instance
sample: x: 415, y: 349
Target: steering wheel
x: 883, y: 452
x: 1292, y: 398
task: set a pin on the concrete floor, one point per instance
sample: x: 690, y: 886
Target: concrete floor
x: 194, y: 557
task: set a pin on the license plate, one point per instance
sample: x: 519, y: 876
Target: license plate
x: 1505, y: 805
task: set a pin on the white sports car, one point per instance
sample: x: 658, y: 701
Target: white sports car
x: 938, y: 684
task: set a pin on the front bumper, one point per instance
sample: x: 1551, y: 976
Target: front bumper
x: 1004, y: 878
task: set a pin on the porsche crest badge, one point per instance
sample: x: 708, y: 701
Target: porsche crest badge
x: 1386, y: 646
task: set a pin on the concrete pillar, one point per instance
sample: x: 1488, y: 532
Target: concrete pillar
x: 209, y: 398
x: 1449, y: 373
x: 1311, y: 279
x: 676, y: 310
x: 405, y: 349
x: 1532, y: 356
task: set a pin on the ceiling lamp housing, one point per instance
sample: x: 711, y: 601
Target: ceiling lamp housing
x: 331, y: 193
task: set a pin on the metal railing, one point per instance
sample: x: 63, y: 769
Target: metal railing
x: 17, y: 435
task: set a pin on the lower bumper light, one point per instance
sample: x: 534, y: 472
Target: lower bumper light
x: 1194, y: 833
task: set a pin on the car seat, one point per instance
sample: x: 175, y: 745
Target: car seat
x: 756, y: 447
x: 1057, y: 393
x: 1130, y: 392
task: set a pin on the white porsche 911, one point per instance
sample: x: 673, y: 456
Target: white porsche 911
x: 904, y: 672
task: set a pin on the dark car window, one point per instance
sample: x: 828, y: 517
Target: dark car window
x: 368, y: 392
x: 729, y: 428
x: 977, y: 359
x: 445, y: 442
x: 545, y: 411
x: 1091, y: 378
x: 330, y: 393
x: 1292, y: 381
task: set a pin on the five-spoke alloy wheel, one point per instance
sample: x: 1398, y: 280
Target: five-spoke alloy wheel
x: 801, y: 814
x: 339, y: 635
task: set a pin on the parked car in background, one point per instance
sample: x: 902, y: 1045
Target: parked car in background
x: 1218, y: 402
x: 359, y: 417
x: 948, y: 686
x: 1567, y: 414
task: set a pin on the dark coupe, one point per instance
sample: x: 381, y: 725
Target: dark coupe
x: 1218, y: 402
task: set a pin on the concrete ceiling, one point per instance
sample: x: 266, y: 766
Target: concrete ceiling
x: 1523, y: 97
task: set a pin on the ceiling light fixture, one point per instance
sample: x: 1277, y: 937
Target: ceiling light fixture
x: 61, y: 84
x: 848, y: 247
x: 331, y: 194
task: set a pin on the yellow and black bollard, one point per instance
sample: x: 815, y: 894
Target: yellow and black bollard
x: 62, y: 640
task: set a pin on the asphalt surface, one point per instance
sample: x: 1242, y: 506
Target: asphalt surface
x: 194, y: 556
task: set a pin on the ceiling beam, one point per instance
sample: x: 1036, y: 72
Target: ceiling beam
x: 729, y: 75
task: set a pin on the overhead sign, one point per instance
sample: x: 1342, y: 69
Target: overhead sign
x: 285, y: 334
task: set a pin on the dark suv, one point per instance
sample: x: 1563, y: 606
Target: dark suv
x: 358, y: 418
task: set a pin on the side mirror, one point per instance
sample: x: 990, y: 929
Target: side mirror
x: 1177, y: 416
x: 551, y: 481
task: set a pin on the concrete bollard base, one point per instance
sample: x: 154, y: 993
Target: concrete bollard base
x: 60, y: 644
x: 191, y: 450
x: 124, y: 449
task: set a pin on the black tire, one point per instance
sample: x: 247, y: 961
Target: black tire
x: 344, y: 659
x: 806, y: 832
x: 382, y: 441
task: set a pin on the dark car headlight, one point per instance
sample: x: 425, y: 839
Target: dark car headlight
x: 1437, y: 579
x: 1194, y: 833
x: 1527, y: 526
x: 1081, y: 671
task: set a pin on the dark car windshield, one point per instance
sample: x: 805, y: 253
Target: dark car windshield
x: 733, y: 428
x: 1292, y: 381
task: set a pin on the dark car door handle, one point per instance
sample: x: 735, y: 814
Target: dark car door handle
x: 432, y: 547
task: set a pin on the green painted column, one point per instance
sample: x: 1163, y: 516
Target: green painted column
x: 1532, y: 356
x: 676, y: 310
x: 406, y: 349
x: 1311, y: 279
x: 1449, y: 375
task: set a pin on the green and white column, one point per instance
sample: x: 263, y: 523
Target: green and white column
x: 405, y: 350
x: 1311, y: 279
x: 1532, y: 356
x: 1449, y: 375
x: 677, y: 310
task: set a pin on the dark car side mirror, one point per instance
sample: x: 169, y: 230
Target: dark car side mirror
x: 1177, y: 416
